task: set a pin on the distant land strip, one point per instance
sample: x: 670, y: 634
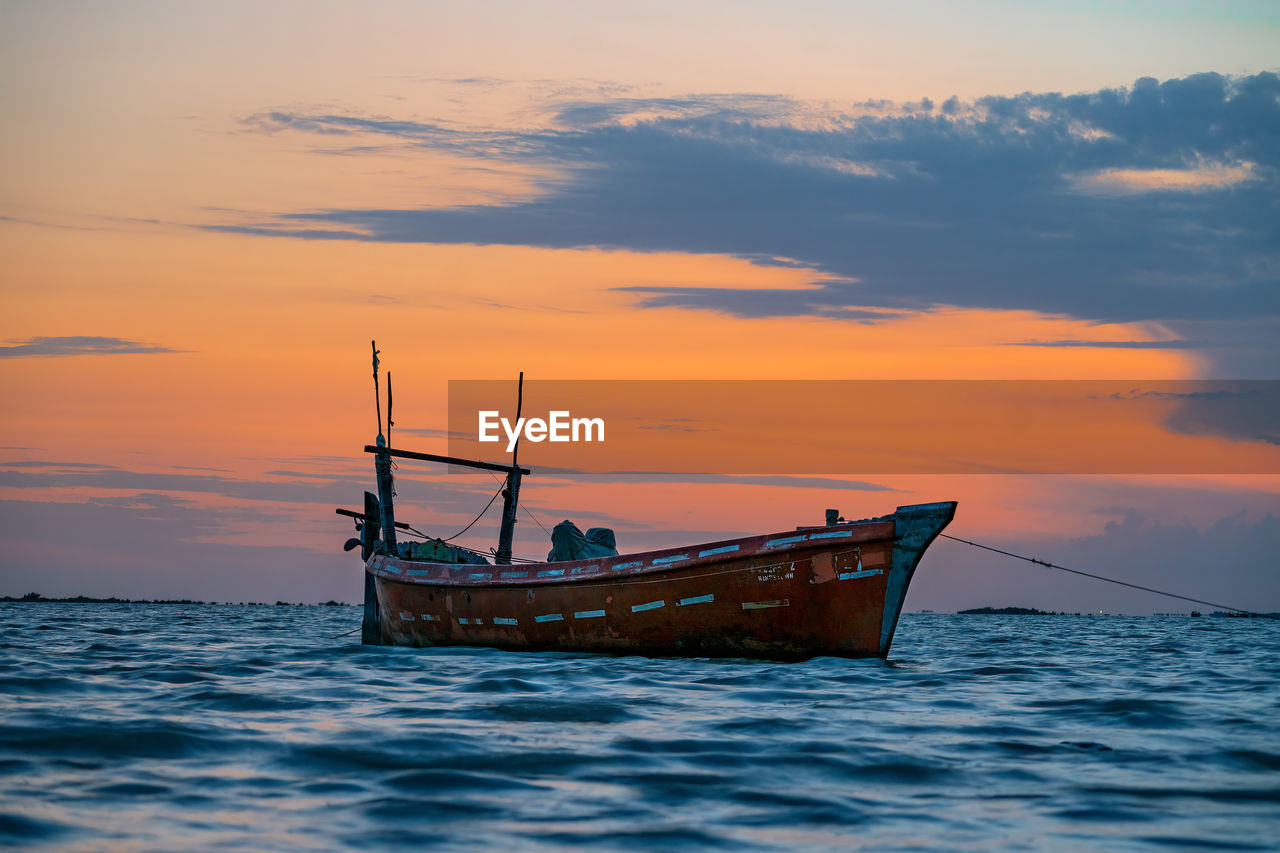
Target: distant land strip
x: 37, y: 598
x: 1012, y: 611
x: 1032, y: 611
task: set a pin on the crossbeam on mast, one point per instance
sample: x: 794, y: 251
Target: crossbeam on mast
x: 447, y: 460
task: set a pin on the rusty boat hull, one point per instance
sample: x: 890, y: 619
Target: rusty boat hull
x: 835, y: 590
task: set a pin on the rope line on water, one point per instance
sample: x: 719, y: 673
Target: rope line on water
x: 1108, y: 580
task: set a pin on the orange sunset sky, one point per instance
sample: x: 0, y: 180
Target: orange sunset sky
x: 208, y: 210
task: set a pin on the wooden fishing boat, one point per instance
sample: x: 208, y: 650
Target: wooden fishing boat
x: 834, y: 589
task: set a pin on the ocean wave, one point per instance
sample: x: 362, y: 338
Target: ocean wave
x: 175, y: 727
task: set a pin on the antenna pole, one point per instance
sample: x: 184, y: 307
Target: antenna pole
x: 511, y: 494
x: 377, y: 398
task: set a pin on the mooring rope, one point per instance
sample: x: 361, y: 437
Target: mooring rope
x: 1108, y: 580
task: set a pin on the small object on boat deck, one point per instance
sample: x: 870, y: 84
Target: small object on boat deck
x: 570, y: 543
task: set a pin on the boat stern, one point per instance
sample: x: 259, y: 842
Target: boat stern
x: 915, y: 529
x: 371, y: 624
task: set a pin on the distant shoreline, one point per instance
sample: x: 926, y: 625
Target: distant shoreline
x: 1012, y: 611
x: 1032, y: 611
x: 36, y: 598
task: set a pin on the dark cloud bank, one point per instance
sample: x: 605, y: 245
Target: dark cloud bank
x: 1038, y: 201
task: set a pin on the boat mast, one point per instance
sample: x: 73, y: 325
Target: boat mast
x: 382, y: 463
x: 510, y: 494
x: 383, y: 452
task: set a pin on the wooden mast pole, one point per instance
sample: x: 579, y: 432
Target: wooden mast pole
x: 511, y: 494
x: 377, y: 392
x: 382, y: 464
x: 371, y: 625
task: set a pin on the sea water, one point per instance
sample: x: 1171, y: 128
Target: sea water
x: 173, y: 727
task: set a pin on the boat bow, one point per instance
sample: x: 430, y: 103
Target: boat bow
x: 915, y: 529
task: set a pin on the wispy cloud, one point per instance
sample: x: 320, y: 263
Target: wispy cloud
x: 43, y: 463
x: 777, y: 480
x: 430, y: 432
x: 581, y: 114
x: 301, y: 489
x: 1203, y: 177
x: 79, y: 345
x: 1173, y: 344
x: 842, y: 299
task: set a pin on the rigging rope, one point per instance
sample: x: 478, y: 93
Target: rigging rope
x: 1101, y: 578
x: 535, y: 519
x: 478, y: 517
x: 523, y: 507
x: 415, y: 531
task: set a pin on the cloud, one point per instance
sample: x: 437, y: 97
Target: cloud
x: 1213, y: 176
x: 1252, y: 415
x: 997, y: 203
x: 430, y: 432
x: 778, y: 480
x: 625, y: 111
x: 79, y: 345
x: 1237, y: 410
x: 828, y: 299
x: 154, y: 546
x: 1173, y: 344
x: 42, y: 463
x: 332, y: 490
x: 1237, y: 348
x: 340, y: 125
x: 482, y: 81
x: 441, y: 498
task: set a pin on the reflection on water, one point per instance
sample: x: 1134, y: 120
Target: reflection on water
x: 190, y: 727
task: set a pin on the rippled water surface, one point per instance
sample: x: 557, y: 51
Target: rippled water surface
x: 193, y: 727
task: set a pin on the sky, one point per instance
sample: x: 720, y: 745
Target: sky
x: 208, y: 210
